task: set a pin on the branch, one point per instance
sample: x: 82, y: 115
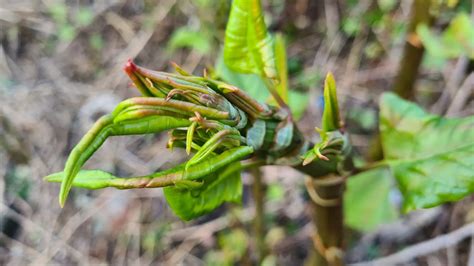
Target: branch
x: 424, y: 248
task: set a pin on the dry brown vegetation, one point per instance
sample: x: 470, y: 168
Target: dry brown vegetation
x: 58, y: 75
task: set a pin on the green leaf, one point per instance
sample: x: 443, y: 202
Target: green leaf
x: 431, y: 157
x: 275, y: 192
x: 386, y: 5
x: 455, y: 41
x: 96, y: 41
x: 248, y: 47
x: 298, y: 102
x: 84, y: 16
x: 366, y: 200
x: 66, y: 32
x: 441, y: 178
x: 330, y: 121
x: 219, y: 187
x: 234, y: 244
x: 187, y: 38
x: 58, y: 12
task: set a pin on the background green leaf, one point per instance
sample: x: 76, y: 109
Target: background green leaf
x: 432, y: 157
x: 367, y: 200
x: 298, y: 101
x: 185, y: 37
x: 455, y: 41
x: 408, y: 132
x: 441, y: 178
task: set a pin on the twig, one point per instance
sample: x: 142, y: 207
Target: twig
x: 453, y: 82
x: 471, y: 253
x: 13, y: 242
x: 424, y: 248
x: 30, y: 225
x: 461, y: 96
x: 135, y: 46
x: 73, y: 224
x: 194, y: 235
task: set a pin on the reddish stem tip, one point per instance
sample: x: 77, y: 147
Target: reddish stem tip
x: 130, y: 67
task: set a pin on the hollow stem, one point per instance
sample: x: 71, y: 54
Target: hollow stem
x: 409, y: 65
x: 413, y: 50
x: 326, y: 195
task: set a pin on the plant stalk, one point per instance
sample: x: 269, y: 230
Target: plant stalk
x: 409, y: 65
x: 413, y: 50
x: 326, y: 201
x: 259, y: 190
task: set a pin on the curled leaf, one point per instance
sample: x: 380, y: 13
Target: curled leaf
x: 331, y: 120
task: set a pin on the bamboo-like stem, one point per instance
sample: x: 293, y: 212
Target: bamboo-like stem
x: 326, y: 201
x: 258, y: 189
x: 413, y: 51
x: 409, y: 65
x: 326, y: 188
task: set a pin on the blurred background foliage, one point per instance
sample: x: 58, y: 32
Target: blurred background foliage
x: 60, y: 69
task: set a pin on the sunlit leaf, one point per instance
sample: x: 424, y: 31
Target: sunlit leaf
x: 432, y: 157
x: 248, y: 47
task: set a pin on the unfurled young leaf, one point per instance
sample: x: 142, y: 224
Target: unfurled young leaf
x: 218, y: 187
x: 431, y: 157
x: 455, y: 41
x: 248, y: 47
